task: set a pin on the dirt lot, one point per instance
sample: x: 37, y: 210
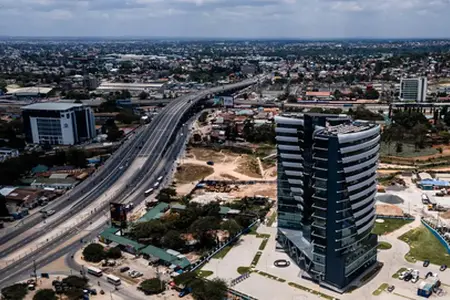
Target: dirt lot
x: 260, y: 189
x: 192, y: 172
x: 248, y: 165
x: 388, y: 210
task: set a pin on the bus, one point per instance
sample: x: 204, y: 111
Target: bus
x: 113, y: 279
x: 156, y: 184
x: 148, y: 192
x: 94, y: 271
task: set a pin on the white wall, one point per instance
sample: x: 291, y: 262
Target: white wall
x: 34, y: 130
x: 67, y: 129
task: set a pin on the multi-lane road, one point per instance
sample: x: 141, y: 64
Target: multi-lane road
x: 156, y: 146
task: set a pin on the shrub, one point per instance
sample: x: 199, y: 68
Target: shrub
x: 94, y: 253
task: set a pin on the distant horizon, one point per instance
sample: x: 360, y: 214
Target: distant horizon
x: 212, y: 38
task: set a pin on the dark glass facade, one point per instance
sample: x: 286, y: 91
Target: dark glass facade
x: 326, y: 188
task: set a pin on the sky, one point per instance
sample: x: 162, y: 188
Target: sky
x: 227, y: 18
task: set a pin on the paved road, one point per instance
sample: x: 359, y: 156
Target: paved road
x: 153, y: 142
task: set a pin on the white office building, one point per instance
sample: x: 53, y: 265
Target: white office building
x: 413, y: 89
x: 58, y: 123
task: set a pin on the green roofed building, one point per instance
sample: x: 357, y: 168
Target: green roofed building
x: 169, y: 259
x: 155, y: 213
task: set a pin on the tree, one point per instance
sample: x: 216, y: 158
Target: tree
x: 231, y: 226
x: 292, y: 99
x: 167, y: 195
x: 398, y: 147
x: 185, y: 278
x: 3, y: 86
x: 152, y: 231
x: 94, y: 252
x: 16, y: 291
x: 114, y: 253
x: 143, y: 95
x: 215, y: 289
x: 126, y: 117
x: 203, y: 117
x: 172, y: 240
x: 45, y: 294
x: 76, y: 157
x: 371, y: 94
x: 419, y: 132
x: 409, y: 119
x: 152, y: 286
x: 76, y: 285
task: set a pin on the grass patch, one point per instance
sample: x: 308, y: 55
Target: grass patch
x: 384, y: 246
x: 424, y: 245
x: 408, y: 151
x: 272, y: 219
x: 256, y: 258
x: 191, y: 172
x: 389, y: 226
x: 221, y: 254
x: 306, y: 289
x: 253, y: 230
x: 243, y: 270
x: 203, y: 273
x: 263, y: 235
x: 379, y: 290
x: 270, y: 276
x: 263, y: 244
x: 397, y: 274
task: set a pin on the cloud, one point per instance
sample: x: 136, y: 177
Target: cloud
x: 226, y: 18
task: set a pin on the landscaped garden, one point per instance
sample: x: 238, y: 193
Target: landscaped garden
x: 425, y: 246
x: 389, y: 225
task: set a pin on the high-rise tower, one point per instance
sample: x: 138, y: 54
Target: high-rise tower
x: 326, y: 195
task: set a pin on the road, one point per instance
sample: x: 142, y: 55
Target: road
x: 155, y: 143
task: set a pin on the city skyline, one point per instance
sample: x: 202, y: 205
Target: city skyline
x: 226, y: 19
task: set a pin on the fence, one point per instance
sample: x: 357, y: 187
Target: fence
x: 409, y: 218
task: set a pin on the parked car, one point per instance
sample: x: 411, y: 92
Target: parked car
x: 408, y: 277
x: 124, y: 269
x: 402, y: 275
x: 415, y: 279
x: 426, y: 263
x: 429, y: 274
x: 443, y: 268
x: 391, y: 288
x: 134, y: 274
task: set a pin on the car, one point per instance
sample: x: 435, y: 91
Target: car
x: 124, y: 269
x: 429, y: 274
x: 93, y: 292
x: 408, y: 277
x: 391, y: 288
x: 443, y: 268
x: 415, y: 279
x: 426, y: 263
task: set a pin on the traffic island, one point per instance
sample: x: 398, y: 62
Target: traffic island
x: 384, y: 246
x: 379, y: 290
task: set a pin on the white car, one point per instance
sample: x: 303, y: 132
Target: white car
x: 415, y: 278
x: 403, y: 275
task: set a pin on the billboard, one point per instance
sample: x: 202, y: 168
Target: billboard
x: 118, y: 215
x: 227, y: 101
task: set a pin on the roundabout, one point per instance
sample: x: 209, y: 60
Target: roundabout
x: 281, y: 263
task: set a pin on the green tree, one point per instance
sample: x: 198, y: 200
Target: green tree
x: 151, y: 231
x: 152, y: 286
x: 16, y: 291
x: 114, y: 253
x: 371, y: 94
x: 167, y: 195
x: 143, y: 95
x: 172, y: 240
x: 215, y: 289
x: 419, y: 132
x: 409, y: 119
x: 292, y: 99
x: 3, y: 86
x: 126, y: 117
x: 76, y: 285
x: 94, y: 252
x: 231, y: 226
x: 76, y: 157
x: 45, y: 294
x: 185, y: 278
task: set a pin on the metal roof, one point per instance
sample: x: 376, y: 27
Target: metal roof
x: 154, y: 213
x: 51, y: 106
x: 182, y: 262
x: 110, y: 236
